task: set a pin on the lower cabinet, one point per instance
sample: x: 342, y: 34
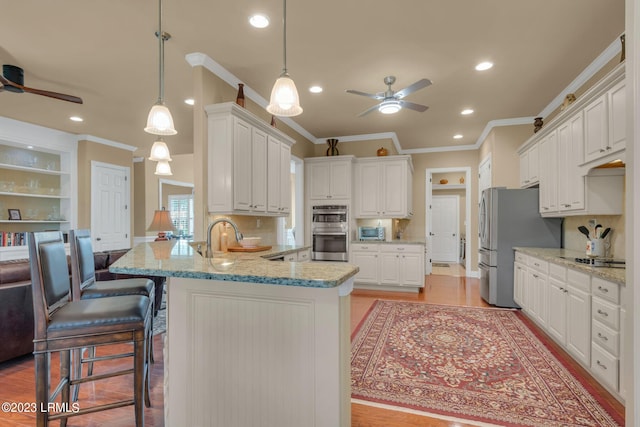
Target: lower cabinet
x: 299, y: 256
x: 580, y: 312
x: 388, y: 266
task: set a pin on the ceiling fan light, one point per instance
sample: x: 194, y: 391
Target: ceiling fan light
x: 160, y: 151
x: 284, y: 101
x: 163, y: 168
x: 391, y: 106
x: 159, y: 121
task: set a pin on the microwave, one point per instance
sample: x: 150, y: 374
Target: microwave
x: 371, y: 233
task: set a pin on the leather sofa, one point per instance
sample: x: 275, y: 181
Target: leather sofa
x: 16, y: 303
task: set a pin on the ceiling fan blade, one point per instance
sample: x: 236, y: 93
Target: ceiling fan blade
x: 367, y: 111
x: 420, y: 84
x: 55, y: 95
x: 369, y: 95
x: 413, y: 106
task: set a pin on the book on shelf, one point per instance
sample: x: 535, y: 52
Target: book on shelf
x: 9, y: 238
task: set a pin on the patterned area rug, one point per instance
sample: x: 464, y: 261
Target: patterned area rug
x: 472, y: 363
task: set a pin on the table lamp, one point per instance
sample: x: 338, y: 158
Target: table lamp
x: 161, y: 223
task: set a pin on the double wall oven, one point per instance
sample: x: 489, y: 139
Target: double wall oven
x: 330, y: 232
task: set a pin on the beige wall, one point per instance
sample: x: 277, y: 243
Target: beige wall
x: 89, y: 151
x: 501, y: 144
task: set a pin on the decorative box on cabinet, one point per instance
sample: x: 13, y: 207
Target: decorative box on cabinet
x: 248, y: 162
x: 383, y: 187
x: 329, y: 178
x: 37, y: 178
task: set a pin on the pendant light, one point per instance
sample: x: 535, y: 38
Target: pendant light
x: 160, y: 151
x: 159, y: 121
x: 163, y: 168
x: 284, y: 100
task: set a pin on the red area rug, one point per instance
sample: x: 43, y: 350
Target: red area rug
x: 472, y: 363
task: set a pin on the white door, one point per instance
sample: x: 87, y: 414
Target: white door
x: 110, y: 201
x: 445, y: 237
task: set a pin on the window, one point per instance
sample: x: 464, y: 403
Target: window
x: 181, y: 208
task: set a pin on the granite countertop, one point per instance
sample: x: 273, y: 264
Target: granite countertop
x: 407, y: 241
x: 567, y: 257
x: 178, y: 259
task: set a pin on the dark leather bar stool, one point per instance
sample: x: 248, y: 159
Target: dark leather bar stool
x: 62, y: 325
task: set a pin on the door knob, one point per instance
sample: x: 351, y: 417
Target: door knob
x: 98, y: 238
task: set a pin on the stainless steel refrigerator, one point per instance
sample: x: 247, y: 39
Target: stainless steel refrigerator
x: 508, y: 218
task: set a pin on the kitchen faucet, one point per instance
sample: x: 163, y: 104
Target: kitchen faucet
x: 209, y: 252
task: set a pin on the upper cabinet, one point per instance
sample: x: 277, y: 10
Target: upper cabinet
x: 248, y: 163
x: 567, y: 151
x: 329, y: 178
x: 383, y: 187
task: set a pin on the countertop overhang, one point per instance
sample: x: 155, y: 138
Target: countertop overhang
x: 567, y: 257
x: 178, y: 259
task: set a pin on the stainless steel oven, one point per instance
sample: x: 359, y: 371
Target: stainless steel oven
x: 330, y: 232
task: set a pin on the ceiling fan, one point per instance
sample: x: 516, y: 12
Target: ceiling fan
x: 12, y: 80
x: 391, y: 100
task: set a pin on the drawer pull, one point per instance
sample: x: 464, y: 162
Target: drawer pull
x: 600, y: 364
x: 604, y: 313
x: 536, y: 264
x: 401, y: 249
x: 535, y: 275
x: 601, y: 289
x: 602, y: 337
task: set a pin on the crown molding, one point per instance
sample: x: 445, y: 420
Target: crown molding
x: 108, y: 142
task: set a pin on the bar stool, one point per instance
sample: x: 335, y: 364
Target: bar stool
x: 85, y: 286
x: 62, y: 325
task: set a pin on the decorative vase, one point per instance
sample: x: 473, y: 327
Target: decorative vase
x: 462, y: 180
x: 240, y: 97
x: 537, y: 124
x: 273, y: 121
x: 444, y: 181
x: 382, y: 152
x: 333, y: 149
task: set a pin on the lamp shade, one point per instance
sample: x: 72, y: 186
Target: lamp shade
x: 161, y: 223
x: 284, y: 100
x: 163, y: 168
x: 160, y: 151
x: 159, y: 121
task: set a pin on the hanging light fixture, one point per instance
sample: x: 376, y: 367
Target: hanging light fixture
x: 160, y: 151
x: 163, y: 168
x: 284, y: 100
x: 159, y: 121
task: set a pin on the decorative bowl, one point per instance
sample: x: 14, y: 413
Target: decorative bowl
x: 444, y: 181
x: 250, y: 242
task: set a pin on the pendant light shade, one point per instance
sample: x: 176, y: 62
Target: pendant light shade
x: 284, y: 98
x: 163, y: 168
x: 160, y: 151
x: 159, y: 121
x: 284, y: 101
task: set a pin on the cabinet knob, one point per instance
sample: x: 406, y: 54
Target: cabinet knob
x: 608, y: 148
x: 98, y: 238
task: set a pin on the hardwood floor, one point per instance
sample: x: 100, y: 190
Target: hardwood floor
x: 17, y: 376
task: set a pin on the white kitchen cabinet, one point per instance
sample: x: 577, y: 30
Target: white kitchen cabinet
x: 549, y: 173
x: 579, y: 316
x: 241, y: 165
x: 519, y: 279
x: 329, y: 178
x: 570, y: 182
x: 606, y: 326
x: 605, y: 131
x: 617, y: 103
x: 557, y: 321
x: 279, y: 177
x: 530, y: 167
x: 388, y: 266
x: 537, y: 283
x: 383, y: 187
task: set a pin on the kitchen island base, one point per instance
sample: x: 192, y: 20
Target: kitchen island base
x: 249, y: 354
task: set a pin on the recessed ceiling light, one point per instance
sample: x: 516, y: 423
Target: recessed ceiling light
x: 466, y: 111
x: 30, y: 147
x: 76, y: 119
x: 190, y: 101
x: 484, y: 66
x: 457, y: 136
x: 259, y: 20
x: 315, y: 89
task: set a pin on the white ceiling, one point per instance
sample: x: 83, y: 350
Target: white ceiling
x: 107, y: 53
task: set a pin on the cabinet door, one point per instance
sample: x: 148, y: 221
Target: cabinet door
x: 394, y: 196
x: 258, y: 171
x: 368, y: 190
x: 340, y: 180
x: 412, y: 268
x: 617, y: 118
x: 285, y: 178
x: 241, y: 160
x: 595, y: 129
x: 575, y: 179
x: 367, y: 261
x: 541, y: 303
x: 519, y: 277
x: 319, y: 174
x: 579, y: 324
x: 273, y: 182
x: 390, y: 268
x: 549, y: 173
x: 534, y: 164
x: 524, y: 169
x: 557, y: 301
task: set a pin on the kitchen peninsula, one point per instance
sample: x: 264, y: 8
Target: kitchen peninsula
x: 251, y: 341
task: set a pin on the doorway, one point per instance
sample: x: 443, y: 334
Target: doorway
x: 110, y: 201
x: 445, y: 229
x: 463, y: 186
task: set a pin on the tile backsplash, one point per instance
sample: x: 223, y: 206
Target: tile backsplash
x: 250, y: 226
x: 575, y: 240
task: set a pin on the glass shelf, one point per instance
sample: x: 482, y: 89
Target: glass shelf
x: 41, y: 196
x: 32, y: 169
x: 33, y: 221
